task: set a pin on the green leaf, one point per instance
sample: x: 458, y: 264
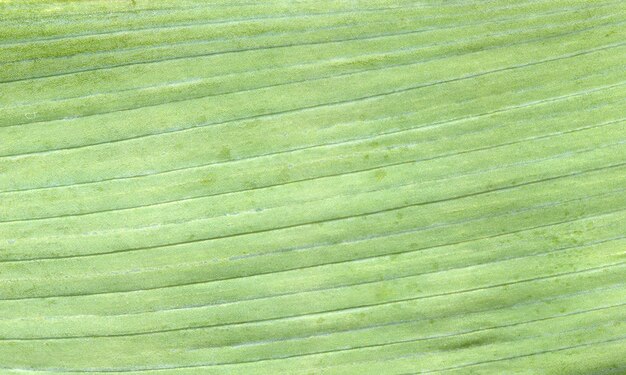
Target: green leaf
x: 312, y: 187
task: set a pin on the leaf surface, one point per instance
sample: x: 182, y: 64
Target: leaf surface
x: 312, y: 187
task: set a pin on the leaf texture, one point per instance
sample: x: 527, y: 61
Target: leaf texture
x: 312, y: 187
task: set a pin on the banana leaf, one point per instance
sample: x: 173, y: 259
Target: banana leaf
x: 312, y: 187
